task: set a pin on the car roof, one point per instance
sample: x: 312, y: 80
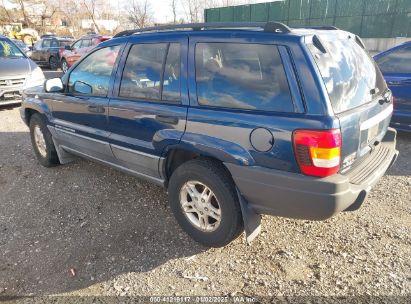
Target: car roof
x: 193, y: 28
x: 396, y: 47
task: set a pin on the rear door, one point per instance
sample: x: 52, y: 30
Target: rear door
x: 45, y: 49
x: 149, y: 105
x: 396, y: 68
x: 357, y: 92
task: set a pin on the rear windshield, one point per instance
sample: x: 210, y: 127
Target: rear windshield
x: 351, y: 76
x: 63, y: 43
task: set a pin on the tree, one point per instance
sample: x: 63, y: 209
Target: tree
x: 174, y: 9
x: 140, y: 13
x: 91, y: 7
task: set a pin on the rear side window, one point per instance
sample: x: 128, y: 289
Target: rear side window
x: 242, y: 76
x: 349, y: 73
x: 63, y: 43
x: 46, y: 43
x: 151, y: 75
x: 398, y: 61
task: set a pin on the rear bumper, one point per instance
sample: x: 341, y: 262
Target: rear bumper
x: 295, y: 195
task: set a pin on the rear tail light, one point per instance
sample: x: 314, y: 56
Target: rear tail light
x: 318, y: 153
x: 61, y: 51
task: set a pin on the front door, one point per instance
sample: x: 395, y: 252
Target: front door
x: 80, y: 114
x: 149, y: 106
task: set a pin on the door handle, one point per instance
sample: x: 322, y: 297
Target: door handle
x: 96, y: 109
x: 167, y: 119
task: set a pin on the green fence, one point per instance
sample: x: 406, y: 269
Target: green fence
x: 366, y: 18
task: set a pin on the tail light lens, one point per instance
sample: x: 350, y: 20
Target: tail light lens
x: 318, y: 153
x: 61, y: 51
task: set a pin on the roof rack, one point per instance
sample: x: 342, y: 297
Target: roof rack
x: 321, y: 27
x: 274, y: 27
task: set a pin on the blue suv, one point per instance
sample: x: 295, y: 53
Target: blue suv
x: 234, y: 120
x: 395, y: 65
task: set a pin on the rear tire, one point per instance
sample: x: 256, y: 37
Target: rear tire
x: 42, y: 142
x: 214, y: 221
x: 53, y: 63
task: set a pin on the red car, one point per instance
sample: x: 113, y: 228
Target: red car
x: 82, y: 46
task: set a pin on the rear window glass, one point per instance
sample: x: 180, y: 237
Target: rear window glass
x: 349, y: 73
x: 398, y: 61
x: 63, y: 43
x: 242, y: 76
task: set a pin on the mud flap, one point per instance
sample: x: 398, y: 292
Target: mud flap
x: 251, y: 219
x: 64, y: 157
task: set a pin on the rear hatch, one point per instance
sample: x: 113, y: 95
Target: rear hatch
x: 357, y: 91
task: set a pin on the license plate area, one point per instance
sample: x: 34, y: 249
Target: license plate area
x: 372, y: 133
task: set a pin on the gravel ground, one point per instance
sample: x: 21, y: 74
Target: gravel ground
x: 85, y: 229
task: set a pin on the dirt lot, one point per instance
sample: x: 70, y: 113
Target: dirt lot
x: 85, y: 229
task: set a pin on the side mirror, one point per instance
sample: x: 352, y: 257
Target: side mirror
x: 82, y: 88
x: 68, y: 47
x: 53, y: 85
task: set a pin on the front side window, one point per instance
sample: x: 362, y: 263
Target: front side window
x: 147, y: 76
x: 86, y: 43
x: 242, y: 76
x: 76, y: 45
x: 92, y: 75
x: 398, y: 61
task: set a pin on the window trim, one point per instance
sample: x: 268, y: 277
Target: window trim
x: 150, y: 100
x: 296, y: 109
x: 113, y: 73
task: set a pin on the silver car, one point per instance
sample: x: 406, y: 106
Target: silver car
x: 17, y: 72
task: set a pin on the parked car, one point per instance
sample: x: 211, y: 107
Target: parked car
x: 235, y: 122
x: 22, y: 46
x: 395, y: 65
x: 48, y: 51
x: 79, y: 48
x: 17, y: 72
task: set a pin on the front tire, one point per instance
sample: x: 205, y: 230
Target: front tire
x: 204, y: 201
x: 64, y: 66
x: 42, y: 142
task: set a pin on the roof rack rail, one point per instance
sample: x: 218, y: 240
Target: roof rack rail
x: 320, y: 27
x: 276, y: 27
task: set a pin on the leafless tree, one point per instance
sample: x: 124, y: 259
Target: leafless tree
x: 4, y: 12
x: 91, y: 7
x: 174, y: 9
x: 140, y: 13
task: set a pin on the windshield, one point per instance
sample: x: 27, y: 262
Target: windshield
x: 9, y: 50
x: 351, y: 76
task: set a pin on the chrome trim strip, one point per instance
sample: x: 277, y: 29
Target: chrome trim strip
x: 81, y: 136
x: 135, y: 151
x: 377, y: 118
